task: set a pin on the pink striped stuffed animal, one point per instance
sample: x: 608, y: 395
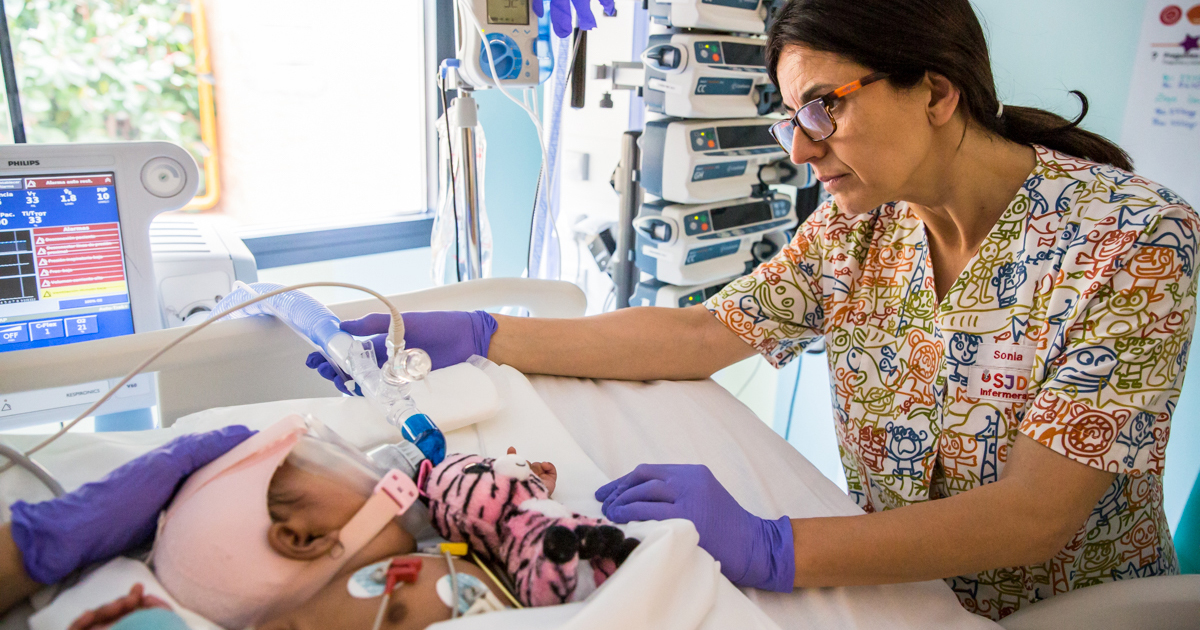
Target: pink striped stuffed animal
x: 503, y: 511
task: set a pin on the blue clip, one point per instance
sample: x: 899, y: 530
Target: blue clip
x: 421, y: 431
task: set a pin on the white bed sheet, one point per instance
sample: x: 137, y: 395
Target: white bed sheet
x: 616, y: 425
x: 622, y: 424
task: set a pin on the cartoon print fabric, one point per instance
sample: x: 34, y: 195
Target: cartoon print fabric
x: 1071, y: 325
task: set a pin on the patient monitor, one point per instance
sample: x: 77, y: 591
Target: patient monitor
x: 75, y: 256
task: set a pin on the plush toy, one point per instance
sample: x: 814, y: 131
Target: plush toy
x: 502, y: 510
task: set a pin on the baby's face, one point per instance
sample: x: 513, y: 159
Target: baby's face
x: 308, y: 510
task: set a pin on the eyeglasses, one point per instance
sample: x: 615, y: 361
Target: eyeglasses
x: 814, y: 117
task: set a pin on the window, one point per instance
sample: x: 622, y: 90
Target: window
x: 304, y: 115
x: 102, y: 70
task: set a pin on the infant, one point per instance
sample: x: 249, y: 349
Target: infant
x: 542, y: 553
x: 526, y: 549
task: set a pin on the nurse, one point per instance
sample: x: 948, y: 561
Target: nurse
x: 1007, y: 310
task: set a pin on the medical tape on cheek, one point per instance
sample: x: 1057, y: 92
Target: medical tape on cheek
x: 393, y: 495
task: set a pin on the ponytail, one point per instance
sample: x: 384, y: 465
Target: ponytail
x: 907, y: 39
x: 1029, y: 125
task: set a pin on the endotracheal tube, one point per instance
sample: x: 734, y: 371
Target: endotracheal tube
x: 386, y: 387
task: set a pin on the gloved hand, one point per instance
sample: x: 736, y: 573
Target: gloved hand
x: 104, y: 518
x: 450, y: 337
x: 560, y: 14
x: 752, y: 551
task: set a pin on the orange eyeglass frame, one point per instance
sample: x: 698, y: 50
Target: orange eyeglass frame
x: 830, y: 98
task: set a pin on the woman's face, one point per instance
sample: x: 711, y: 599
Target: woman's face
x: 883, y: 134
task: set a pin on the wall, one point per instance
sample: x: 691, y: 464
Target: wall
x: 510, y: 178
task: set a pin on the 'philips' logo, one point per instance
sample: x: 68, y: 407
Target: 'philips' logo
x: 24, y: 162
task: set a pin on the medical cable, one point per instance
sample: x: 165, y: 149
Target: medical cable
x: 545, y: 172
x: 453, y: 583
x: 487, y: 48
x: 492, y: 576
x: 39, y: 471
x: 396, y: 331
x: 750, y: 379
x: 453, y: 179
x: 549, y: 183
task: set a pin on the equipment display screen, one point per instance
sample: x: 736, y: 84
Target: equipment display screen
x: 508, y: 11
x: 62, y: 264
x: 743, y: 214
x: 743, y: 54
x: 745, y: 136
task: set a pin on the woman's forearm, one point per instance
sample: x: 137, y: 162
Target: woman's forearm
x: 1026, y: 517
x: 645, y: 343
x: 15, y: 584
x: 924, y: 541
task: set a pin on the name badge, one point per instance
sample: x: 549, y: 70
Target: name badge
x: 993, y: 383
x: 1005, y: 356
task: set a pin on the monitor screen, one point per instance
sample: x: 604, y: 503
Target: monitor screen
x: 62, y: 264
x: 743, y: 54
x: 745, y: 136
x: 742, y: 214
x: 508, y: 11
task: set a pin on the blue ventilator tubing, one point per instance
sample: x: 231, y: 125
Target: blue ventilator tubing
x: 313, y: 321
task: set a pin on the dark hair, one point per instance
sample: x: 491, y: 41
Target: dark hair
x: 907, y: 38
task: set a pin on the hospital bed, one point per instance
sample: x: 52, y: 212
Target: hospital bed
x: 252, y: 370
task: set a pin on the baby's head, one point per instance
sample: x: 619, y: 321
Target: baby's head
x: 257, y: 530
x: 313, y: 494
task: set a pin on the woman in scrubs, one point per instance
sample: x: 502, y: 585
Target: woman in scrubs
x: 1007, y: 311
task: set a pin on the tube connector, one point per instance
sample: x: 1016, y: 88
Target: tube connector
x: 405, y: 365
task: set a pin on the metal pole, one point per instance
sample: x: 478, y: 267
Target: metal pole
x: 624, y: 272
x: 466, y: 112
x: 10, y: 80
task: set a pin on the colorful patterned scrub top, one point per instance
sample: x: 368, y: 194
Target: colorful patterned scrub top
x: 1071, y: 325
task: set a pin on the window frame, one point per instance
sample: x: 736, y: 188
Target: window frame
x: 288, y: 246
x: 283, y: 247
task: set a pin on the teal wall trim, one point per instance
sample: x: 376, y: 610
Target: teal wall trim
x: 513, y: 163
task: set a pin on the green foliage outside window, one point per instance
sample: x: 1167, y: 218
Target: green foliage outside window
x: 104, y: 70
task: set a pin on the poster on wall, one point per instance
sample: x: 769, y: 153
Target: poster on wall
x: 1162, y: 117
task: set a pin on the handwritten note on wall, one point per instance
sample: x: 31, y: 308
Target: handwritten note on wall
x: 1162, y: 116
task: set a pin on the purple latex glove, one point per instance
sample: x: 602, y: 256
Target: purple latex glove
x: 450, y: 337
x: 560, y: 14
x: 104, y: 518
x: 752, y: 551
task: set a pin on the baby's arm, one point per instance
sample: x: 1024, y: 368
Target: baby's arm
x: 110, y: 613
x: 544, y: 470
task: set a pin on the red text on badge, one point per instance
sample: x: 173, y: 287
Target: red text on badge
x: 1005, y: 384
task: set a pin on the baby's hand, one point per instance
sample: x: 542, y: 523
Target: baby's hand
x: 544, y: 470
x: 109, y: 613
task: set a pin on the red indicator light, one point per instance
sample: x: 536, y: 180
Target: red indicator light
x: 716, y: 57
x: 711, y: 144
x: 704, y: 226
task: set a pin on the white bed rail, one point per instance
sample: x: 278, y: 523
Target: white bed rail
x: 256, y: 359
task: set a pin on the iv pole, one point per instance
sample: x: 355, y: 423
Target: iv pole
x: 464, y: 114
x: 10, y: 80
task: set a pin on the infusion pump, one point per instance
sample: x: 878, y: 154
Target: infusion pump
x: 695, y: 244
x: 512, y: 30
x: 701, y: 75
x: 734, y: 16
x: 701, y: 161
